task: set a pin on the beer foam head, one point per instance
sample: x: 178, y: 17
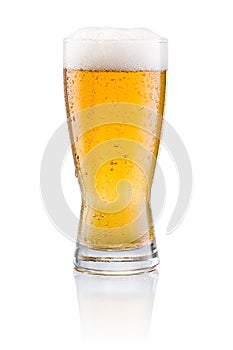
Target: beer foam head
x: 116, y: 49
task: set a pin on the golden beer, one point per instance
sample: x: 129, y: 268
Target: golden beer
x: 84, y: 89
x: 115, y: 117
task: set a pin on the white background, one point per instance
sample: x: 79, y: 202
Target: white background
x: 193, y: 304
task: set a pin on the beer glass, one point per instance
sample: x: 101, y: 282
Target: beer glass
x: 114, y: 82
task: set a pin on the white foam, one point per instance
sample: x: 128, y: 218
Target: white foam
x: 115, y: 49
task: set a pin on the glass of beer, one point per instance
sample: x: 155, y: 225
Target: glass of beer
x: 114, y: 82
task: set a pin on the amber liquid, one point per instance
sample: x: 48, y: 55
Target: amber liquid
x: 115, y: 120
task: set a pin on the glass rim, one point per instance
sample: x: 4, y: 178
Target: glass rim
x: 157, y: 41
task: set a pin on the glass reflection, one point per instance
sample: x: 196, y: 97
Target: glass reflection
x: 115, y: 310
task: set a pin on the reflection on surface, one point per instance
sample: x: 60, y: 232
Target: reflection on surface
x: 115, y: 308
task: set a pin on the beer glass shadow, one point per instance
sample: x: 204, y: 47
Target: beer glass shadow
x: 115, y: 310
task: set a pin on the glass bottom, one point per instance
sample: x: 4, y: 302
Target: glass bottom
x: 116, y: 262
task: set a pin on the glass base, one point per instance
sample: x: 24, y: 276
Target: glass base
x: 116, y: 262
